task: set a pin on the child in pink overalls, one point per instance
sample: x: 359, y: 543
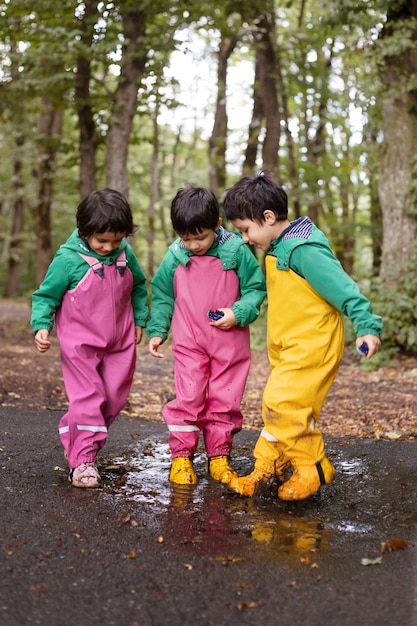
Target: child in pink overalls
x: 96, y: 291
x: 207, y: 268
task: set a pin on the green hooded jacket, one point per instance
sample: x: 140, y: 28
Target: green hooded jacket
x: 66, y: 271
x: 234, y: 254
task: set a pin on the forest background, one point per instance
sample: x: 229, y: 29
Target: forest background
x: 150, y: 96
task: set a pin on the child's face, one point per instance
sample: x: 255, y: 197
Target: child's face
x: 201, y: 242
x: 259, y: 235
x: 104, y: 243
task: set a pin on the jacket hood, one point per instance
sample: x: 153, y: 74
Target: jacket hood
x: 76, y: 244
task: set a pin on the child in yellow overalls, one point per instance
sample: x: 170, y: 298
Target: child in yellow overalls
x: 308, y: 291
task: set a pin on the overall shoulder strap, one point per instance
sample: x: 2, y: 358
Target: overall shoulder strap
x: 121, y: 263
x: 95, y: 264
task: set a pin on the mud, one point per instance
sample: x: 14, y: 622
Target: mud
x: 141, y: 552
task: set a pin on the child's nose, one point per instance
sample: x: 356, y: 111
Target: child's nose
x: 109, y: 247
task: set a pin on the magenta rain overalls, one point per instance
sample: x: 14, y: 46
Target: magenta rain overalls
x: 95, y: 327
x: 211, y: 365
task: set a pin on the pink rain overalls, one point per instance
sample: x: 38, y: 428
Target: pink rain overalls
x: 211, y: 365
x: 95, y: 327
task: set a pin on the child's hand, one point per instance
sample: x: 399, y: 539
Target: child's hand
x: 227, y: 321
x: 372, y: 341
x: 138, y: 334
x: 42, y: 340
x: 153, y: 346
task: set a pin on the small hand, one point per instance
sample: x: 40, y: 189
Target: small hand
x: 227, y: 321
x: 372, y: 341
x: 153, y: 346
x: 42, y: 340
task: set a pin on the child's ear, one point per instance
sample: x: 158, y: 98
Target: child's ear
x: 270, y: 217
x: 219, y: 223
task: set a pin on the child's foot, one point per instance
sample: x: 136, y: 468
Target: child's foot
x: 246, y: 485
x: 85, y: 476
x: 220, y: 469
x: 306, y: 480
x: 182, y: 472
x: 260, y: 478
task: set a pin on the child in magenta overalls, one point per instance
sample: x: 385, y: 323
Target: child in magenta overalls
x: 207, y: 268
x: 96, y: 291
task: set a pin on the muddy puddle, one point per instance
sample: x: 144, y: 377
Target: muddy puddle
x: 365, y: 506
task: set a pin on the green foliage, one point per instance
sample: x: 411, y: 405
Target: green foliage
x: 396, y: 302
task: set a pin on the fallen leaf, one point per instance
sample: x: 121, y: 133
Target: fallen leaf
x: 125, y: 517
x: 393, y: 434
x: 227, y: 559
x: 246, y: 605
x: 393, y: 544
x: 376, y: 561
x: 131, y: 555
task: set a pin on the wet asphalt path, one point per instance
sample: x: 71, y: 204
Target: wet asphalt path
x: 139, y: 553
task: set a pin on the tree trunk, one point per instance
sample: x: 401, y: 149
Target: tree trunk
x: 50, y: 127
x: 347, y: 248
x: 370, y: 138
x: 292, y: 169
x: 217, y: 143
x: 154, y: 196
x: 16, y: 233
x: 264, y: 37
x: 133, y: 61
x: 15, y: 247
x: 398, y: 164
x: 255, y: 125
x: 400, y: 148
x: 87, y: 127
x: 376, y: 227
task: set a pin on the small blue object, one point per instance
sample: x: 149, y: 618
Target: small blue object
x: 215, y: 315
x: 363, y: 349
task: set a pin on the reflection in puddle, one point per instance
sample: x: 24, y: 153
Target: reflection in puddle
x: 348, y: 527
x: 353, y: 467
x: 296, y: 533
x: 209, y: 518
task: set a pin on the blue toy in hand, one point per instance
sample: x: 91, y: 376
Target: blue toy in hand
x: 215, y: 315
x: 363, y: 349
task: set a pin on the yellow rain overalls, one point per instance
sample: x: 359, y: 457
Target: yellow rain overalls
x: 308, y: 294
x: 305, y: 346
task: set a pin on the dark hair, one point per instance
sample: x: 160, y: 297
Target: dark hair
x: 252, y: 195
x: 193, y: 210
x: 104, y: 210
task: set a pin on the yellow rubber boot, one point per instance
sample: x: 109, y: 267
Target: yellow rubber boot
x: 262, y: 473
x: 182, y: 472
x: 306, y: 480
x: 246, y: 485
x: 220, y: 469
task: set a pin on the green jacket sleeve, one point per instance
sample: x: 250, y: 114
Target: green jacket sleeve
x: 318, y: 265
x: 48, y: 297
x: 139, y: 291
x: 252, y: 287
x: 162, y: 308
